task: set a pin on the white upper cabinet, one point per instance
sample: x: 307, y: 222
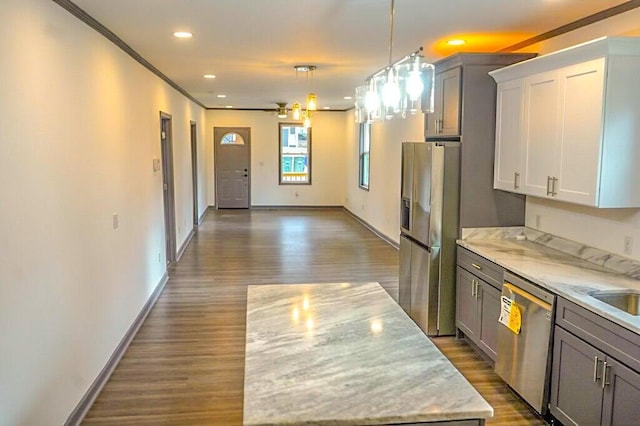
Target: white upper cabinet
x: 568, y: 125
x: 509, y: 141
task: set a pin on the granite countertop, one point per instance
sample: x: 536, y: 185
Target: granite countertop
x: 345, y: 354
x: 564, y: 274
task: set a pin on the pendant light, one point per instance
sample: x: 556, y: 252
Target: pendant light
x: 295, y: 111
x: 400, y: 87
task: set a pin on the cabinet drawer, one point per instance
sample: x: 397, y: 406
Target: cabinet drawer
x: 605, y: 335
x: 481, y: 267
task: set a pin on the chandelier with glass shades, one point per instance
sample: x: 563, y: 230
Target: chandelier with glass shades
x: 297, y: 113
x: 400, y: 88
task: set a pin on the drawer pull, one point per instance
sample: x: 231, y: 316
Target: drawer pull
x: 595, y: 370
x: 478, y: 267
x: 604, y: 374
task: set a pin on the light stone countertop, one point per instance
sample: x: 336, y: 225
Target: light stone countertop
x: 564, y: 274
x: 345, y: 354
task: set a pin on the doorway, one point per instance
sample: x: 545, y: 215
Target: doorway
x: 232, y: 150
x: 166, y: 143
x: 194, y: 173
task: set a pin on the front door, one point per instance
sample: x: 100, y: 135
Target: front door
x: 232, y: 171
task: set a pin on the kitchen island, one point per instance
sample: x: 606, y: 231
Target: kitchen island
x: 346, y: 354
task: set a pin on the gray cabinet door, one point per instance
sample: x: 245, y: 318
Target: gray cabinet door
x: 466, y: 304
x: 489, y: 311
x: 445, y: 120
x: 621, y: 405
x: 576, y: 380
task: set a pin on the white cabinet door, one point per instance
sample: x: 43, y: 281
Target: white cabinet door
x: 507, y: 173
x: 540, y: 133
x: 579, y: 145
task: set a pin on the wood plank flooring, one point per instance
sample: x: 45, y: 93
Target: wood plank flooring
x: 186, y: 364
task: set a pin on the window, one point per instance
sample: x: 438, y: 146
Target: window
x: 295, y: 154
x: 232, y: 139
x: 365, y: 145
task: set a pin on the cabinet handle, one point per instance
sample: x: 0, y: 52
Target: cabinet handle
x: 604, y: 374
x: 478, y: 267
x: 595, y: 370
x: 473, y: 288
x: 548, y: 185
x: 554, y: 180
x: 436, y: 121
x: 516, y: 180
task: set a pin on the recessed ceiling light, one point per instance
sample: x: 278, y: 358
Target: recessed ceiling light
x: 456, y: 42
x: 348, y: 97
x: 209, y: 76
x: 183, y: 34
x: 326, y: 107
x: 222, y: 96
x: 229, y: 106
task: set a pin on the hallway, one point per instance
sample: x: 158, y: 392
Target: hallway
x: 185, y: 365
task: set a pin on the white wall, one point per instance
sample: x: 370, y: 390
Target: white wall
x: 79, y: 127
x: 602, y: 228
x: 380, y: 205
x: 328, y: 148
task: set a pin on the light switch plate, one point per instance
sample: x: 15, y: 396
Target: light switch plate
x: 116, y: 220
x: 156, y: 164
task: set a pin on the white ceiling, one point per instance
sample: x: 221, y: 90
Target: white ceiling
x: 252, y: 45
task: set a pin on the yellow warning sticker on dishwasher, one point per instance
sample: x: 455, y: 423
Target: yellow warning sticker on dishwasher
x: 510, y: 315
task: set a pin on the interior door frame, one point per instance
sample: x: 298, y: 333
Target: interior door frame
x: 168, y: 187
x: 224, y: 130
x: 194, y: 171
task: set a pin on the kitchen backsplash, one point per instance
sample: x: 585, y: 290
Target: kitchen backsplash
x: 594, y: 255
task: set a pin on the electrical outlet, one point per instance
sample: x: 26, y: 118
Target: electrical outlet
x: 628, y: 244
x: 115, y: 220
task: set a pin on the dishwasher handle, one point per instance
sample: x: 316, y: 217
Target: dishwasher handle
x: 530, y: 288
x: 531, y: 298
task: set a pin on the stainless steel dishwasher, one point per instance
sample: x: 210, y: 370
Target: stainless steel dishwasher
x: 524, y: 355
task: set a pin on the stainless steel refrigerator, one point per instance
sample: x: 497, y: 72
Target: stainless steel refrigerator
x: 429, y: 229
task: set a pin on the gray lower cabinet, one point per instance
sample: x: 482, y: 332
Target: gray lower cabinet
x: 478, y: 300
x: 588, y: 385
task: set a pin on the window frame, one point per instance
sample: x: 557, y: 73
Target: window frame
x: 308, y: 153
x: 364, y: 134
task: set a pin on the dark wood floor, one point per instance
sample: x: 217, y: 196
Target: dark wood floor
x: 186, y: 364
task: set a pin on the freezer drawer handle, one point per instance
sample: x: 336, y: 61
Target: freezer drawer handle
x: 604, y: 374
x: 516, y: 180
x: 595, y: 370
x: 478, y: 267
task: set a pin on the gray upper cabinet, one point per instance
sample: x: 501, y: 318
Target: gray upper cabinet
x: 567, y: 125
x: 445, y: 120
x: 593, y: 380
x: 464, y: 104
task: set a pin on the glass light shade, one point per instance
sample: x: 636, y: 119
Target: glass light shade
x: 391, y: 91
x: 307, y: 120
x: 282, y: 110
x: 415, y: 86
x: 312, y: 102
x: 295, y: 111
x: 428, y: 78
x: 360, y: 106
